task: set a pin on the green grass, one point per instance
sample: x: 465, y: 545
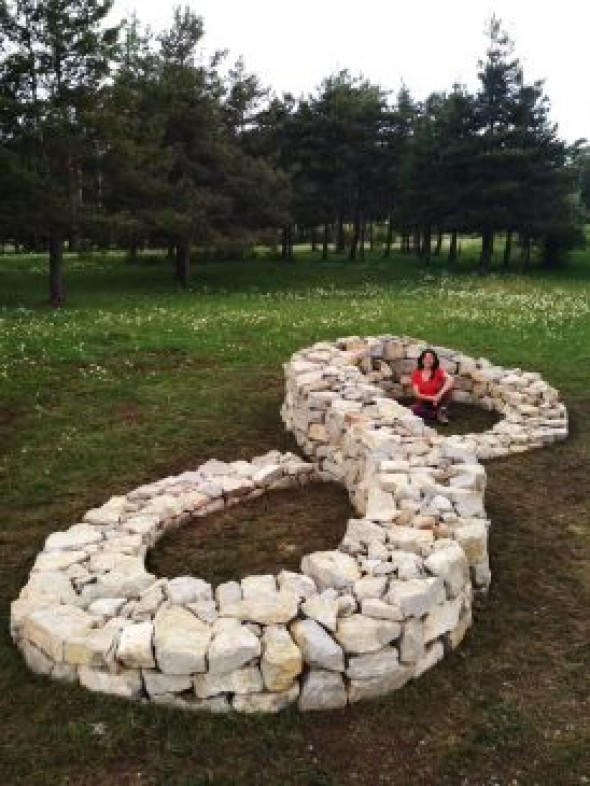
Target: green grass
x: 136, y: 379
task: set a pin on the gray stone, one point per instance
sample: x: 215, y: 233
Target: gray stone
x: 186, y: 589
x: 266, y: 702
x: 246, y: 680
x: 297, y: 583
x: 451, y: 565
x: 374, y: 664
x: 157, y: 684
x: 127, y: 684
x: 135, y: 649
x: 374, y: 687
x: 49, y: 629
x: 417, y: 596
x: 270, y: 608
x: 323, y: 610
x: 318, y: 648
x: 322, y: 690
x: 231, y: 649
x: 181, y: 641
x: 358, y: 634
x: 411, y: 646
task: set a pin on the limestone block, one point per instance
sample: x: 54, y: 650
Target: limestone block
x: 231, y: 649
x: 157, y: 684
x: 135, y: 649
x: 251, y: 703
x: 58, y: 560
x: 358, y: 634
x: 50, y: 587
x: 229, y: 592
x: 411, y: 646
x: 241, y: 681
x: 95, y: 647
x: 323, y: 609
x: 433, y: 654
x: 126, y: 685
x: 374, y: 664
x: 37, y: 661
x: 374, y: 687
x: 381, y: 505
x: 378, y: 609
x: 186, y: 589
x: 50, y: 628
x: 410, y: 539
x: 270, y: 608
x: 266, y: 475
x: 318, y: 648
x: 417, y: 596
x: 370, y: 587
x: 451, y: 565
x: 254, y: 587
x: 322, y: 690
x: 281, y: 661
x: 473, y: 539
x: 181, y: 641
x: 331, y: 569
x: 300, y: 585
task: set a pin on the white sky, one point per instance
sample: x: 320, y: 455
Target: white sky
x: 428, y: 44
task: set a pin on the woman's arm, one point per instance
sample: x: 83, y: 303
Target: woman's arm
x: 447, y: 385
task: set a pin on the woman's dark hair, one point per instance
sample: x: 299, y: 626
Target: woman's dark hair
x: 428, y: 351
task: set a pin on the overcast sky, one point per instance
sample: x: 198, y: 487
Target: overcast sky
x: 427, y: 44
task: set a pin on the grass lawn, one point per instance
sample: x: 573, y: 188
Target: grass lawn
x: 136, y: 379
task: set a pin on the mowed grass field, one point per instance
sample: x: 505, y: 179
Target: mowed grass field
x: 136, y: 379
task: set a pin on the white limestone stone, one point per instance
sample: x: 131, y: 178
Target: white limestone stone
x: 181, y: 641
x: 281, y: 661
x: 252, y: 703
x: 322, y: 690
x: 317, y: 647
x: 135, y: 649
x: 231, y: 649
x: 331, y: 569
x: 358, y: 634
x: 240, y: 681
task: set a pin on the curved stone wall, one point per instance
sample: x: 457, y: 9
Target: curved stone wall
x: 356, y: 622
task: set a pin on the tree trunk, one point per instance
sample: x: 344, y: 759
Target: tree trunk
x: 426, y: 249
x: 507, y: 250
x: 416, y: 238
x: 363, y: 238
x: 439, y: 242
x: 526, y: 253
x: 325, y: 240
x: 371, y: 237
x: 453, y: 247
x: 355, y: 236
x: 56, y: 284
x: 340, y: 239
x: 314, y: 240
x: 183, y: 259
x: 287, y: 244
x: 389, y: 239
x: 487, y: 250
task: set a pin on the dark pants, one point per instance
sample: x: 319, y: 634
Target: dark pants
x: 427, y: 410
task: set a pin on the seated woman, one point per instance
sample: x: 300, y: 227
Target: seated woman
x: 431, y: 385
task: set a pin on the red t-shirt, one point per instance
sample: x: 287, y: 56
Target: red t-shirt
x: 428, y: 387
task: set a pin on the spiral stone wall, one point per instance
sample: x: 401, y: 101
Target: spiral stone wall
x: 356, y: 622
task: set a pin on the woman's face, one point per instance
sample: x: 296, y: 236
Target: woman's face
x: 428, y: 360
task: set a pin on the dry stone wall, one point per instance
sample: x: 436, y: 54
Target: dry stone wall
x: 356, y: 622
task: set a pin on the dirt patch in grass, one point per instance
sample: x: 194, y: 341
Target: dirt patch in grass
x: 463, y: 419
x: 266, y: 535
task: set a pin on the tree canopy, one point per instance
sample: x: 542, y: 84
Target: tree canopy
x: 114, y: 136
